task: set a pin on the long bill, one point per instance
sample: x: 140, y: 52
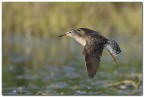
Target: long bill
x: 62, y: 35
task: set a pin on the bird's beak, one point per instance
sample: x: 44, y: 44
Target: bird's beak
x: 62, y: 35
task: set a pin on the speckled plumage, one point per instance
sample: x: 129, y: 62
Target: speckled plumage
x: 93, y: 43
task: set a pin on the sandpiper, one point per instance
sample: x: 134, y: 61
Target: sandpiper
x: 93, y: 43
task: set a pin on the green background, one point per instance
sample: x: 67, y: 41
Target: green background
x: 35, y: 60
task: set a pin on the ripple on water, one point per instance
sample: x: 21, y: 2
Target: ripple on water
x: 58, y: 85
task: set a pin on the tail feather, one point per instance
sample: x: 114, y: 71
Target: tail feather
x: 113, y: 47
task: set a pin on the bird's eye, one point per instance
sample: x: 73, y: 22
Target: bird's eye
x: 69, y: 32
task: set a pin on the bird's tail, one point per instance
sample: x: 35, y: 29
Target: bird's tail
x: 113, y: 47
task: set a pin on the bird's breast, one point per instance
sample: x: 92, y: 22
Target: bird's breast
x: 81, y: 40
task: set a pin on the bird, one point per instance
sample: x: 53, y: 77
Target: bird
x: 93, y: 43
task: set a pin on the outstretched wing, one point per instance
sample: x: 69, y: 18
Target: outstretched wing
x: 92, y: 54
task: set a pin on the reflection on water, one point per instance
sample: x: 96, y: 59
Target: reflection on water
x: 55, y: 67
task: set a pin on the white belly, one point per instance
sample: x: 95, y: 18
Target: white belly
x: 81, y: 40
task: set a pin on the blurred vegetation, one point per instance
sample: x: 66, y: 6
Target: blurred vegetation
x: 51, y: 19
x: 35, y: 58
x: 35, y: 21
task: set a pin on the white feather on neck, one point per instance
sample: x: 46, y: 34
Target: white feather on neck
x: 80, y: 40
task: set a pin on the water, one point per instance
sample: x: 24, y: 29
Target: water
x: 32, y: 66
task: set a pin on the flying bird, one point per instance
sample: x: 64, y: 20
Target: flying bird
x: 93, y: 43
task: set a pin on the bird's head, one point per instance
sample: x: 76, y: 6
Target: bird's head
x: 73, y: 33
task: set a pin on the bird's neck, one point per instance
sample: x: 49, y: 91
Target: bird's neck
x: 81, y: 40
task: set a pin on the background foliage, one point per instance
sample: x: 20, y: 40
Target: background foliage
x: 30, y: 43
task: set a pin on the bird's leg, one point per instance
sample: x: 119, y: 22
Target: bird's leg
x: 114, y: 59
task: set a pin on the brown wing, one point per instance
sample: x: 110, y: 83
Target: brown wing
x: 92, y: 54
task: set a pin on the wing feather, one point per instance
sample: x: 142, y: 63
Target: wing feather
x: 92, y: 54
